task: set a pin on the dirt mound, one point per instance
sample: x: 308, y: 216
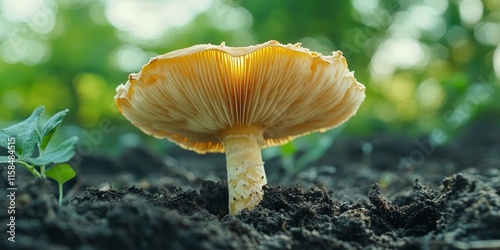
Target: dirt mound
x: 346, y: 205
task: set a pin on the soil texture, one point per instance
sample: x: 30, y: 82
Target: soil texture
x: 404, y: 193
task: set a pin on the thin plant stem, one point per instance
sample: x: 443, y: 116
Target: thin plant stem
x: 42, y: 171
x: 32, y: 169
x: 60, y: 193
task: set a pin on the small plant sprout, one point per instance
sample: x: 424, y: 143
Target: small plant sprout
x: 34, y: 150
x: 237, y: 100
x: 61, y: 173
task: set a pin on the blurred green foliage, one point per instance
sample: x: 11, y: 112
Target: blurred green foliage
x: 426, y: 64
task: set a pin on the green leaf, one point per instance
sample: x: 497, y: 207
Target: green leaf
x: 61, y: 173
x: 51, y: 127
x: 59, y: 154
x: 25, y: 133
x: 288, y: 149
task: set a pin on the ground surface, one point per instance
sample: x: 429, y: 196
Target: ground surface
x: 404, y: 194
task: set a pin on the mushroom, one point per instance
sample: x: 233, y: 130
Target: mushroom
x: 237, y: 100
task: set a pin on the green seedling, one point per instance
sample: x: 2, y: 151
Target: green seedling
x: 33, y: 150
x: 61, y: 173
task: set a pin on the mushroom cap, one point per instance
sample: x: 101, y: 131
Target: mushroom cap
x: 191, y: 95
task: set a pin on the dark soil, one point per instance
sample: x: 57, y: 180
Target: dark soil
x: 405, y: 194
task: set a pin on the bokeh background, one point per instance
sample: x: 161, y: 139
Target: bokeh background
x: 429, y: 66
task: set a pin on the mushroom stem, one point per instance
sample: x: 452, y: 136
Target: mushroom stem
x: 245, y: 168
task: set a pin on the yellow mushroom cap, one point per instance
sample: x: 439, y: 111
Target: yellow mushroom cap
x: 191, y: 95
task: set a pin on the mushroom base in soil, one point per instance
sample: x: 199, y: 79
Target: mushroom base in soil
x: 237, y: 100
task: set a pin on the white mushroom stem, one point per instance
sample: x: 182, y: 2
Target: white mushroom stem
x: 245, y: 168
